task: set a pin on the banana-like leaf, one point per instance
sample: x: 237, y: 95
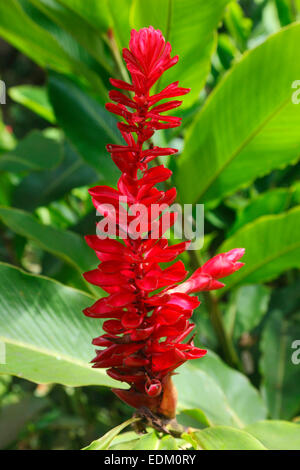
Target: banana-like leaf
x: 272, y: 246
x: 47, y: 338
x: 249, y: 124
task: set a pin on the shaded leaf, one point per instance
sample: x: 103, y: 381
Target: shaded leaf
x: 281, y: 377
x: 39, y: 189
x: 66, y: 17
x: 246, y: 309
x: 86, y: 123
x: 35, y: 152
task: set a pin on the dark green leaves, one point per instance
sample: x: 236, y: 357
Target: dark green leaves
x: 35, y: 152
x: 281, y: 375
x: 41, y: 188
x: 87, y: 124
x: 65, y: 244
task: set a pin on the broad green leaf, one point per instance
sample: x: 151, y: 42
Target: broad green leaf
x: 248, y: 126
x: 246, y: 308
x: 35, y: 152
x: 34, y: 98
x: 41, y: 188
x: 104, y: 442
x: 223, y: 394
x: 281, y: 376
x: 87, y: 124
x: 67, y: 245
x: 47, y: 337
x: 189, y: 26
x: 270, y: 202
x: 276, y: 435
x: 272, y: 246
x: 226, y: 438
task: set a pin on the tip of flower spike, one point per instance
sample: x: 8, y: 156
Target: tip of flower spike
x: 236, y: 254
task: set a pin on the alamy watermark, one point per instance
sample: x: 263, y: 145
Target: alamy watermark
x: 2, y: 92
x: 296, y: 354
x: 296, y: 94
x: 152, y: 221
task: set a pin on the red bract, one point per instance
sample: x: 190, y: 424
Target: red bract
x: 146, y: 329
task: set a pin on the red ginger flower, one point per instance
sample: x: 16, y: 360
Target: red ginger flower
x: 145, y: 330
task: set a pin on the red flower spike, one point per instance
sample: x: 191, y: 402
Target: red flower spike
x: 146, y: 330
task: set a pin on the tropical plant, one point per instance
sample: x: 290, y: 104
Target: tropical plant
x: 238, y: 152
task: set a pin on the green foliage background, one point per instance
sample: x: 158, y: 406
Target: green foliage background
x: 239, y: 152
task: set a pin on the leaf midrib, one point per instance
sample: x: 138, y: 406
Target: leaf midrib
x: 266, y: 260
x: 47, y: 352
